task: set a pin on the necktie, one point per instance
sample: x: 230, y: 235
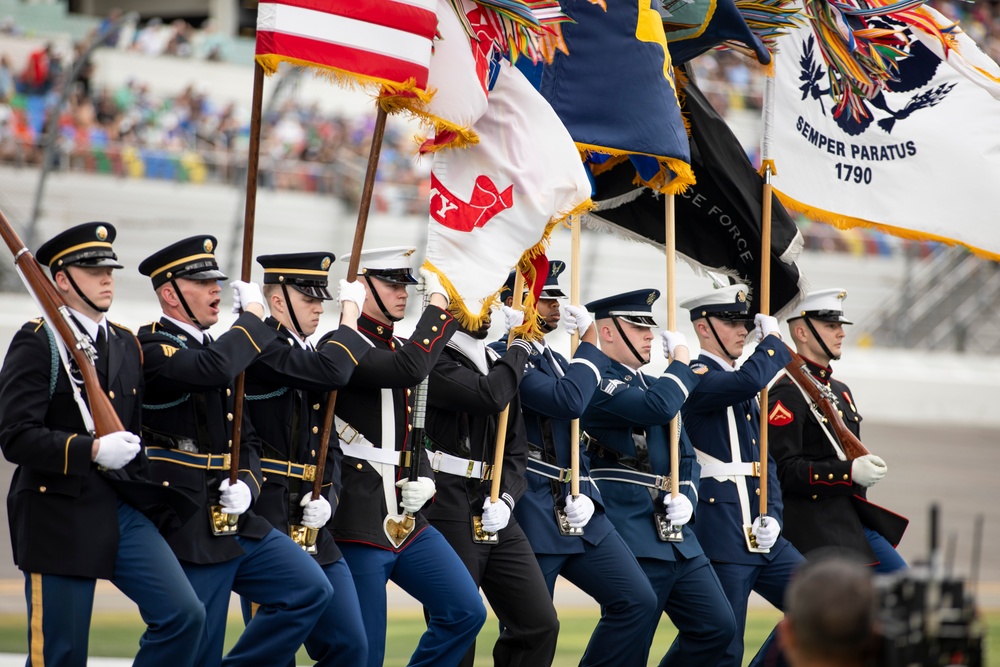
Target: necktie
x: 556, y: 367
x: 102, y: 351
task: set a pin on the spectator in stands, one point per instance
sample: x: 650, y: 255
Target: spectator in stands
x: 7, y: 84
x: 110, y: 29
x: 37, y: 76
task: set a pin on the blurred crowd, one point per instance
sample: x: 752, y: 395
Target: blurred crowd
x: 130, y: 132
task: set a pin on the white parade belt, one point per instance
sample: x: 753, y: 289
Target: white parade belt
x: 454, y: 465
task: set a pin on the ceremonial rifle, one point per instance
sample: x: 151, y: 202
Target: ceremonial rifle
x: 823, y: 398
x: 57, y: 314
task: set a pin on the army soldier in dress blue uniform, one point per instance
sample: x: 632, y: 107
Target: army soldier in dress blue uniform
x: 374, y: 421
x: 627, y: 427
x: 722, y: 418
x: 825, y: 494
x: 553, y: 392
x: 187, y: 422
x: 469, y: 388
x: 286, y: 400
x: 74, y: 500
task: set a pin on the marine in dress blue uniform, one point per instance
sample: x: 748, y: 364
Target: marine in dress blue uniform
x: 627, y: 426
x: 374, y: 421
x: 187, y: 422
x: 825, y: 494
x: 468, y: 390
x: 78, y: 505
x: 286, y: 392
x: 722, y: 418
x: 553, y: 392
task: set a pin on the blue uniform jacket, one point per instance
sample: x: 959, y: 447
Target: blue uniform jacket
x: 549, y: 402
x: 721, y: 394
x: 623, y: 403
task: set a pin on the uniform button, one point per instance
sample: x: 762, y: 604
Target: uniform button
x: 748, y: 416
x: 315, y: 429
x: 409, y: 391
x: 443, y: 317
x: 133, y: 391
x: 840, y: 412
x: 427, y: 341
x: 166, y: 483
x: 315, y: 406
x: 229, y: 416
x: 409, y: 409
x: 757, y: 491
x: 229, y: 392
x: 265, y: 478
x: 814, y: 497
x: 409, y: 427
x: 815, y: 476
x: 313, y: 452
x: 392, y: 345
x: 229, y: 444
x: 770, y: 353
x: 434, y: 328
x: 846, y: 477
x: 753, y: 441
x: 711, y: 500
x: 359, y: 466
x: 111, y: 394
x: 42, y: 489
x: 830, y: 476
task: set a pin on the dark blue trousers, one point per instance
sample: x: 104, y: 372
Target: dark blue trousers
x: 889, y: 559
x: 276, y: 573
x: 430, y: 571
x: 688, y: 591
x: 338, y: 639
x: 609, y: 573
x: 146, y: 571
x: 769, y: 581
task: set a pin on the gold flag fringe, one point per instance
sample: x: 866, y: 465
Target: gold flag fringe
x: 674, y: 177
x: 847, y: 222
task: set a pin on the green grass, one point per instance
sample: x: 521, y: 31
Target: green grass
x: 117, y: 634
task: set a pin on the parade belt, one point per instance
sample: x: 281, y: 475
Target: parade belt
x: 301, y: 471
x: 751, y: 469
x: 610, y: 455
x: 552, y: 472
x: 374, y: 454
x: 189, y: 459
x: 453, y: 465
x: 661, y: 482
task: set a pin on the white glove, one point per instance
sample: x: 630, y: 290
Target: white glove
x: 511, y: 317
x: 868, y: 470
x: 767, y: 534
x: 576, y: 319
x: 671, y: 341
x: 244, y: 294
x: 579, y: 511
x: 115, y: 450
x: 496, y: 516
x: 316, y: 512
x: 764, y: 325
x: 235, y: 499
x: 430, y: 284
x: 353, y: 291
x: 679, y: 509
x: 416, y: 494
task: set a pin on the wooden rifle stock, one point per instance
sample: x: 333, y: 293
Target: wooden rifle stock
x: 823, y: 397
x: 105, y: 418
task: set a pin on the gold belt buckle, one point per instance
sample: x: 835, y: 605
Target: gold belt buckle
x: 663, y: 482
x: 487, y: 472
x: 565, y: 475
x: 756, y: 468
x: 227, y: 461
x: 308, y: 472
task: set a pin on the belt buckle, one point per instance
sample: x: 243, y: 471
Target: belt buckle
x: 435, y: 460
x: 308, y: 472
x: 353, y: 437
x: 565, y: 475
x: 662, y: 482
x: 469, y: 470
x: 404, y: 459
x: 755, y: 469
x: 227, y: 461
x: 487, y: 472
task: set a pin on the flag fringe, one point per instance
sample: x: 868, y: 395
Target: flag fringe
x: 393, y: 96
x: 847, y: 222
x: 461, y: 137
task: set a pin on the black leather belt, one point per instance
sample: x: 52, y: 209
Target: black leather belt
x: 608, y: 455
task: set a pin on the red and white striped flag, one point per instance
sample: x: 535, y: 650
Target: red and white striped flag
x: 381, y: 44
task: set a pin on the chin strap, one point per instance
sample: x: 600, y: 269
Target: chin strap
x: 291, y: 312
x: 719, y: 340
x: 819, y: 340
x: 187, y: 309
x: 378, y: 300
x: 628, y: 343
x: 83, y: 296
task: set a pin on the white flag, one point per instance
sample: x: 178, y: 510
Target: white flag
x: 923, y: 164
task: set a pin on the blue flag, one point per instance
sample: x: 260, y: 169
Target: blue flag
x: 748, y: 26
x: 616, y: 93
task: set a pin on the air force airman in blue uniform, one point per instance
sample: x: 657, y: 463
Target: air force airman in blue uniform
x: 286, y: 392
x: 573, y: 537
x: 627, y: 425
x: 722, y: 417
x: 187, y: 422
x: 78, y: 504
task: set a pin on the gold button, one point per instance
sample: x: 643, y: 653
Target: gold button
x: 42, y: 489
x: 427, y: 341
x: 443, y: 316
x: 111, y: 394
x: 228, y: 392
x: 434, y: 328
x: 315, y: 429
x: 830, y: 476
x: 313, y: 452
x: 409, y: 409
x: 166, y: 483
x: 846, y: 477
x: 409, y: 391
x: 229, y: 444
x: 840, y: 412
x: 815, y: 476
x: 757, y: 491
x: 359, y: 466
x: 711, y: 500
x: 229, y: 416
x: 133, y: 391
x: 315, y: 406
x: 409, y: 427
x: 392, y: 345
x: 748, y: 417
x: 814, y: 497
x: 753, y: 441
x: 265, y: 478
x: 770, y: 353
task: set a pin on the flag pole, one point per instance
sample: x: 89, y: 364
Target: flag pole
x: 574, y: 343
x: 767, y: 167
x: 670, y: 243
x: 229, y: 524
x: 502, y: 420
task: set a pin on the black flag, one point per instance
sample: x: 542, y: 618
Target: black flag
x: 718, y: 219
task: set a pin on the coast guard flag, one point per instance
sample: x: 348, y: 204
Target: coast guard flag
x: 922, y: 161
x: 718, y: 218
x: 616, y: 92
x: 384, y: 44
x: 493, y: 204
